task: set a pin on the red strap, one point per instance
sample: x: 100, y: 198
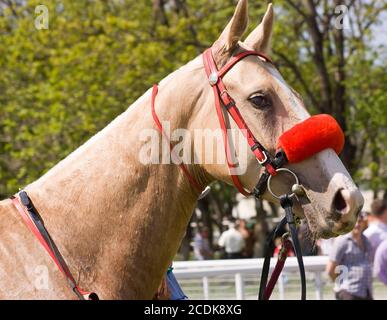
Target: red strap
x: 221, y: 95
x: 286, y: 247
x: 63, y: 268
x: 210, y: 68
x: 182, y: 166
x: 235, y: 59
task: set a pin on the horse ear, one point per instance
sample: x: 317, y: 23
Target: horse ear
x: 260, y: 38
x: 228, y: 41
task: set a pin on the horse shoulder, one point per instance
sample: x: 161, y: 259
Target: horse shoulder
x: 25, y: 269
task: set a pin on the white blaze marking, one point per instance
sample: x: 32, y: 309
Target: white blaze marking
x: 297, y: 108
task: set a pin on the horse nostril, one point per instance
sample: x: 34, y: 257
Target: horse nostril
x: 339, y: 202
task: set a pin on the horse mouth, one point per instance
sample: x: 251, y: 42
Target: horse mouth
x: 325, y: 225
x: 339, y: 224
x: 331, y: 228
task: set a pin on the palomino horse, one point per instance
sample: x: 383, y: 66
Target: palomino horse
x: 119, y: 223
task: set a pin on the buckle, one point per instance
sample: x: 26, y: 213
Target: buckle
x: 228, y: 96
x: 231, y: 103
x: 265, y: 156
x: 283, y: 253
x: 262, y: 162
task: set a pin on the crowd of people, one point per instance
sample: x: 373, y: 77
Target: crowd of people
x: 236, y: 242
x: 354, y: 259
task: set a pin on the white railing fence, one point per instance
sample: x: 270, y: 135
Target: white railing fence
x: 239, y: 279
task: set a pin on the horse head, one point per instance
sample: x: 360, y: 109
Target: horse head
x: 270, y: 107
x: 140, y: 209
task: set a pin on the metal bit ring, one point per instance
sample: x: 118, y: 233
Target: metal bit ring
x: 282, y: 170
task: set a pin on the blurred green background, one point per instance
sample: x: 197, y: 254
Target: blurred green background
x: 60, y: 86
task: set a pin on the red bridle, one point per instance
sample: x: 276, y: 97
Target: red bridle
x: 223, y: 98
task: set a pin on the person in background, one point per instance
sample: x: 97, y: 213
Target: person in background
x: 377, y: 231
x: 232, y: 241
x: 350, y: 264
x: 248, y: 236
x: 380, y: 262
x: 202, y: 247
x: 325, y: 246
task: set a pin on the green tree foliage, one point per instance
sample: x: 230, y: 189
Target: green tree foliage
x: 60, y: 86
x: 331, y: 53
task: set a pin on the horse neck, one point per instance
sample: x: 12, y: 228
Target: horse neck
x: 107, y: 211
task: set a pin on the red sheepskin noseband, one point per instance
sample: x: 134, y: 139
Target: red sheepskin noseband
x: 311, y: 136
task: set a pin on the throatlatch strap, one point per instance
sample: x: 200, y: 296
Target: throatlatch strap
x: 182, y: 166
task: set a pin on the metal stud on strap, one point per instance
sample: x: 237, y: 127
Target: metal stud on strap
x: 213, y: 78
x: 205, y: 193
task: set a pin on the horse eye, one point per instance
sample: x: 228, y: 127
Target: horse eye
x: 259, y: 101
